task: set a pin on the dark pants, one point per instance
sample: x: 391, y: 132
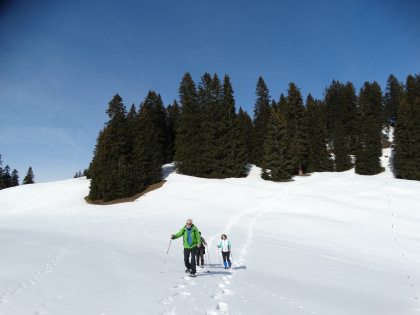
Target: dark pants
x: 225, y: 256
x: 187, y: 252
x: 200, y: 253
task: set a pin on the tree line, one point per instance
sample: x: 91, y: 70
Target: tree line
x: 11, y: 178
x: 206, y: 136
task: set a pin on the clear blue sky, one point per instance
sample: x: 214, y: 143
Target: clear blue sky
x: 61, y: 62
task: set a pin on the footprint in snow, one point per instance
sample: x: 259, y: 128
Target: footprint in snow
x: 217, y: 296
x: 184, y: 293
x: 222, y: 307
x: 228, y: 292
x: 167, y: 301
x: 221, y: 285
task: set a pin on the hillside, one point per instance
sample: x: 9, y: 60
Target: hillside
x: 329, y: 243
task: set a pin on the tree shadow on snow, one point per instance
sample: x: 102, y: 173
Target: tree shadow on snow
x: 167, y: 170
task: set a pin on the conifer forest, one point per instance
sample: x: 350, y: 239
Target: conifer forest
x: 205, y: 135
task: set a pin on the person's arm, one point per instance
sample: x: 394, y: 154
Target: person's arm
x: 179, y: 234
x: 229, y: 245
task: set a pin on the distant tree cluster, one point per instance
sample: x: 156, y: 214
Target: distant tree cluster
x: 11, y: 178
x: 80, y: 174
x: 132, y: 148
x: 405, y: 102
x: 206, y: 137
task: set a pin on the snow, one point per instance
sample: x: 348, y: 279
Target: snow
x: 329, y: 243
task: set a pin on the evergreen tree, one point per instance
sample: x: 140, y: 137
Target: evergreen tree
x: 210, y: 100
x: 348, y: 115
x: 188, y: 143
x: 172, y: 118
x: 319, y: 158
x: 7, y: 178
x: 245, y: 130
x: 1, y: 174
x: 148, y: 150
x: 277, y: 164
x: 369, y: 121
x: 342, y: 158
x: 393, y: 96
x: 111, y: 162
x: 407, y: 132
x: 15, y: 178
x: 295, y: 114
x: 340, y: 108
x: 282, y: 104
x: 262, y: 112
x: 29, y: 178
x: 233, y: 148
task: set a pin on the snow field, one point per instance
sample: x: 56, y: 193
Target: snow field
x: 329, y: 243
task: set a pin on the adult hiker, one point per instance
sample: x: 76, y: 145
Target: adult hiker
x: 192, y: 240
x: 201, y: 251
x: 225, y: 246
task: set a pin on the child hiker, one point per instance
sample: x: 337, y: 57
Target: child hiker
x: 200, y: 252
x: 225, y: 246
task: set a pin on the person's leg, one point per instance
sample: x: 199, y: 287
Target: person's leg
x: 187, y: 258
x: 193, y: 266
x: 202, y: 256
x: 228, y: 258
x: 197, y: 257
x: 224, y: 255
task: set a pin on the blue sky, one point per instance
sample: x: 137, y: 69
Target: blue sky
x: 61, y: 62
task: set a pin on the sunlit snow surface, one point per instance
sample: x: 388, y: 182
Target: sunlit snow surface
x: 329, y: 243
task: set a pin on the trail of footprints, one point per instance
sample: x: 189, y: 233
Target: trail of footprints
x: 393, y: 226
x: 222, y: 286
x: 48, y: 268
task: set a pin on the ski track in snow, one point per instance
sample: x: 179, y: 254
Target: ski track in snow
x: 226, y: 277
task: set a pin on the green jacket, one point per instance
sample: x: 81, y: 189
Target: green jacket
x: 195, y: 236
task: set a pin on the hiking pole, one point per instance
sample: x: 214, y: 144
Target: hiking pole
x: 208, y: 258
x: 164, y: 262
x: 220, y: 262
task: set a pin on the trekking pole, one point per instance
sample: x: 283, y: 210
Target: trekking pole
x: 231, y: 256
x: 220, y: 262
x: 164, y: 262
x: 208, y: 258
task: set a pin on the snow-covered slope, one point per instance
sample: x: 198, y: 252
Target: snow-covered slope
x: 329, y: 243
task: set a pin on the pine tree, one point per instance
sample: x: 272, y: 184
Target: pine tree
x: 369, y: 131
x: 15, y: 178
x: 1, y: 174
x: 111, y: 162
x: 342, y: 158
x: 188, y: 143
x: 245, y: 131
x: 348, y: 114
x: 277, y: 163
x: 7, y: 178
x: 210, y: 100
x: 172, y: 118
x: 295, y: 114
x: 148, y: 150
x: 319, y: 158
x: 233, y: 148
x: 407, y: 132
x: 393, y: 96
x: 262, y: 112
x: 282, y: 103
x: 29, y: 178
x: 340, y: 108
